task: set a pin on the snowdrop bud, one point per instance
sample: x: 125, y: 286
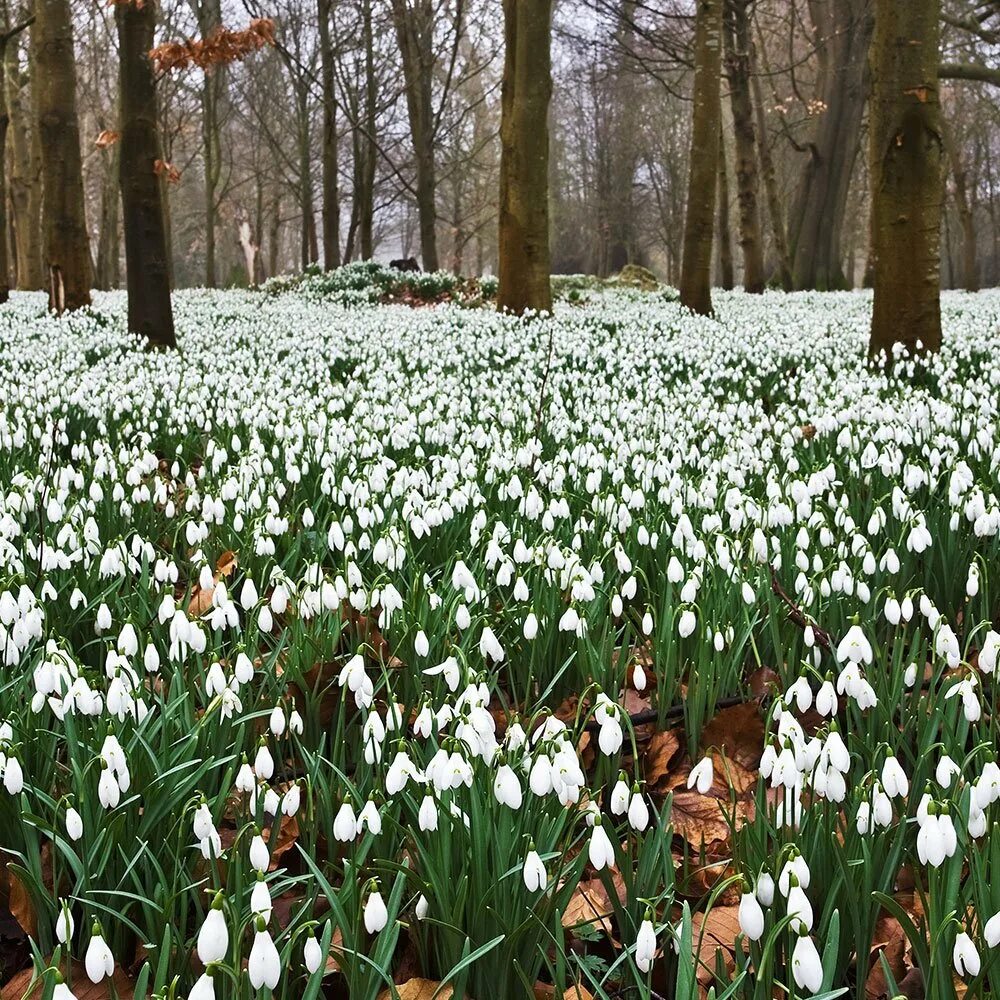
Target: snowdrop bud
x: 530, y: 626
x: 277, y: 720
x: 422, y: 907
x: 151, y: 658
x: 260, y: 858
x: 312, y: 954
x: 248, y: 594
x: 64, y: 923
x: 638, y: 811
x: 213, y: 938
x: 420, y: 644
x: 204, y: 987
x: 103, y: 618
x: 991, y: 932
x: 619, y: 796
x: 686, y: 623
x: 61, y: 991
x: 376, y: 915
x: 535, y: 876
x: 13, y: 776
x: 702, y: 775
x: 263, y: 764
x: 74, y: 824
x: 765, y: 888
x: 751, y: 916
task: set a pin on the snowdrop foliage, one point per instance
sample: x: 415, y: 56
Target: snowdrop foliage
x: 346, y: 630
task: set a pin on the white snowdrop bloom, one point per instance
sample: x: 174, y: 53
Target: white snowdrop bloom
x: 507, y: 787
x: 764, y: 890
x: 74, y: 824
x: 991, y: 932
x: 64, y: 923
x: 376, y: 916
x: 530, y: 628
x: 312, y: 954
x: 965, y: 956
x: 264, y: 963
x: 645, y: 946
x: 449, y: 669
x: 295, y: 723
x: 799, y: 908
x: 686, y: 623
x: 946, y: 771
x: 826, y: 700
x: 702, y: 775
x: 98, y: 961
x: 260, y: 857
x: 807, y: 967
x: 260, y: 898
x: 751, y: 916
x: 854, y: 647
x: 204, y: 988
x: 619, y: 796
x: 600, y: 850
x: 213, y: 936
x: 276, y: 722
x: 534, y: 874
x: 421, y: 645
x: 263, y: 763
x: 345, y: 824
x: 894, y: 780
x: 489, y: 646
x: 638, y: 811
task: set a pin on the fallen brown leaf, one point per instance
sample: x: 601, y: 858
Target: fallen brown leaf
x: 83, y: 988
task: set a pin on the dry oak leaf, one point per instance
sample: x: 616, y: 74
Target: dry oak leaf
x: 739, y: 733
x: 546, y: 991
x: 419, y: 989
x: 889, y: 940
x: 83, y: 988
x: 705, y: 819
x: 201, y: 597
x: 590, y: 904
x: 714, y: 933
x: 107, y: 137
x: 659, y: 757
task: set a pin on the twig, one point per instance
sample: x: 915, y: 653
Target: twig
x: 798, y: 616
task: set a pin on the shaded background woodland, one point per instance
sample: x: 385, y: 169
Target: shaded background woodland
x: 306, y: 153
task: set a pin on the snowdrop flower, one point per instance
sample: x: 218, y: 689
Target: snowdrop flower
x: 260, y: 857
x: 61, y: 991
x: 312, y: 954
x: 507, y: 788
x: 894, y: 780
x: 991, y: 932
x: 702, y: 775
x: 376, y: 915
x: 64, y: 923
x: 807, y: 968
x: 686, y: 623
x: 645, y: 945
x: 600, y: 851
x: 854, y: 647
x: 204, y: 987
x: 345, y: 826
x: 751, y: 916
x: 534, y: 874
x: 213, y: 937
x: 74, y: 824
x: 638, y: 811
x: 965, y: 956
x: 99, y: 962
x: 264, y: 963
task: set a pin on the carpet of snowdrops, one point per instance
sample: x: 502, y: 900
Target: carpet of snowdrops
x: 371, y: 652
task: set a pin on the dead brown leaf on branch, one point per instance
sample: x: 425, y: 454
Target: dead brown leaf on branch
x: 107, y: 137
x: 224, y: 45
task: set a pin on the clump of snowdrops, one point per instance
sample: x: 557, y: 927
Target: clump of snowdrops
x: 334, y: 649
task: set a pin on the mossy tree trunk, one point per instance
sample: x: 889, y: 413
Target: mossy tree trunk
x: 905, y: 164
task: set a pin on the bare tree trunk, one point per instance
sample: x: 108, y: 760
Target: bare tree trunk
x: 524, y: 157
x: 966, y: 215
x: 331, y: 166
x: 843, y: 32
x: 366, y: 218
x: 108, y: 270
x: 737, y: 42
x: 906, y: 154
x: 146, y: 266
x: 696, y: 270
x: 414, y: 22
x: 67, y: 247
x: 726, y: 280
x: 213, y: 91
x: 25, y: 177
x: 6, y: 38
x: 767, y: 170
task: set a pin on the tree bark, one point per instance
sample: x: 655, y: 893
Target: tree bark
x: 331, y: 166
x: 6, y: 38
x: 843, y: 33
x: 523, y: 245
x: 108, y: 270
x: 369, y: 150
x: 696, y: 269
x: 966, y: 212
x: 213, y: 93
x: 726, y: 279
x: 147, y: 272
x: 414, y: 23
x: 25, y: 178
x: 737, y: 46
x: 906, y: 156
x: 66, y: 246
